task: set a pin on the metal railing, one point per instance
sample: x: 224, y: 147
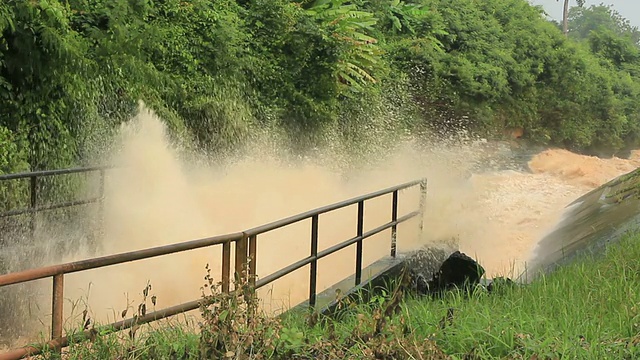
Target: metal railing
x: 34, y: 207
x: 245, y: 245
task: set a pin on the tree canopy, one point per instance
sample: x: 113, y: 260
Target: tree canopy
x: 71, y: 71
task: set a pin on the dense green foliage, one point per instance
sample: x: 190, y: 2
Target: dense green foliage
x: 70, y: 71
x: 597, y: 18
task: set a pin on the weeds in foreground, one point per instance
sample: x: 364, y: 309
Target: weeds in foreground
x: 375, y: 329
x: 586, y: 310
x: 234, y: 327
x: 232, y: 323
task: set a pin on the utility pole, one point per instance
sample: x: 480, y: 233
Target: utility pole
x: 565, y: 18
x: 565, y: 15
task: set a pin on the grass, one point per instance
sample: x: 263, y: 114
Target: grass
x: 589, y: 309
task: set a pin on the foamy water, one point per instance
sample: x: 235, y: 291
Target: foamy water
x: 518, y: 208
x: 158, y: 199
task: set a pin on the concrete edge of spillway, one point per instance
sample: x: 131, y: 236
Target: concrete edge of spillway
x: 590, y: 223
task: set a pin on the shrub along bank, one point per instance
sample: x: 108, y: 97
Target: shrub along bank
x: 71, y: 71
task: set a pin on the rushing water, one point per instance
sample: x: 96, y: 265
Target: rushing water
x: 495, y: 201
x: 519, y: 207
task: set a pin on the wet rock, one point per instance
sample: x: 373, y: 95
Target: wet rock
x: 456, y: 271
x: 422, y: 264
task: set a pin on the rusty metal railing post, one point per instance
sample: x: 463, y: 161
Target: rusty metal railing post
x: 253, y: 261
x: 359, y: 243
x: 394, y: 228
x: 423, y: 203
x: 101, y: 205
x: 241, y: 258
x: 313, y: 272
x: 33, y: 192
x: 57, y: 307
x: 226, y: 266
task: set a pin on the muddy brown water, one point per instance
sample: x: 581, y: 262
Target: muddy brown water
x: 496, y: 212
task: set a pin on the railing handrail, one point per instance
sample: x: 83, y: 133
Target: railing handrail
x: 108, y: 260
x: 42, y: 173
x: 33, y: 177
x: 324, y: 209
x: 328, y: 251
x: 245, y: 249
x: 114, y: 259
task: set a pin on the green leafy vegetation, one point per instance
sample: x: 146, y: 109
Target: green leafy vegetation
x: 359, y: 73
x: 71, y: 71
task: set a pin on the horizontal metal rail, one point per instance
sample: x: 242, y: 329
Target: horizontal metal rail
x: 68, y: 268
x: 325, y: 209
x: 308, y: 260
x: 64, y: 341
x: 193, y: 305
x: 50, y: 207
x: 246, y: 254
x: 43, y: 173
x: 34, y: 208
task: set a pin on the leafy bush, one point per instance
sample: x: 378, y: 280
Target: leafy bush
x: 71, y: 71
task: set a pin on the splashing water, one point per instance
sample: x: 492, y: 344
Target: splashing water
x: 158, y: 198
